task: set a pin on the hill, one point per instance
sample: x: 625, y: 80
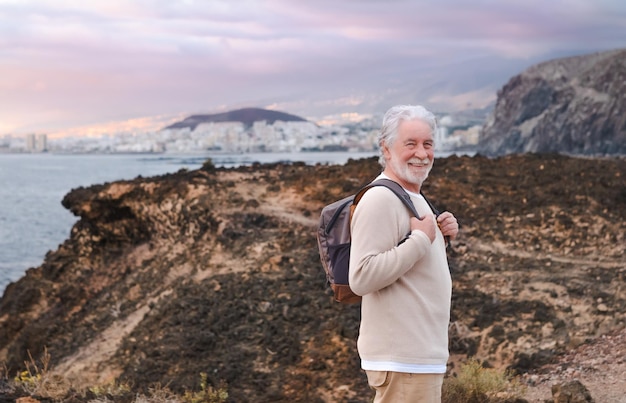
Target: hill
x: 573, y: 105
x: 216, y: 271
x: 247, y: 116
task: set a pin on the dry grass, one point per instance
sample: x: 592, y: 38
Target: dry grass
x: 38, y: 382
x: 475, y: 383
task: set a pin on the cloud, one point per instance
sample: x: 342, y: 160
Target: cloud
x: 68, y: 63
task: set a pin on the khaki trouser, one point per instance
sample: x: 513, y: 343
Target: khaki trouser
x: 400, y: 387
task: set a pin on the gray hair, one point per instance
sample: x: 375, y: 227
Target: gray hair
x: 392, y: 119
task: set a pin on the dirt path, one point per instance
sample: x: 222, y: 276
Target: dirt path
x: 600, y: 366
x: 502, y: 249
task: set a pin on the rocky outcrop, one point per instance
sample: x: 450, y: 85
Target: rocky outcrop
x: 574, y: 105
x: 216, y: 271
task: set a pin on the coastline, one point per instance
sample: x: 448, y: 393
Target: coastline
x: 213, y: 268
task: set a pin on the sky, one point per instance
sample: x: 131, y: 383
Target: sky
x: 78, y: 66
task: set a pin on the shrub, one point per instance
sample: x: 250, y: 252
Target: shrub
x: 207, y: 394
x: 208, y: 165
x: 475, y: 383
x: 111, y: 389
x: 36, y: 380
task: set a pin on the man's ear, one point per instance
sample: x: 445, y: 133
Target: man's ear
x: 386, y: 152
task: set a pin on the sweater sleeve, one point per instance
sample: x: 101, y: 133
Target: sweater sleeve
x: 377, y: 258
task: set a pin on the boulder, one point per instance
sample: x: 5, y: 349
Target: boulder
x: 571, y: 392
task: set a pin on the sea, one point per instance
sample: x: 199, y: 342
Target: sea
x: 33, y: 222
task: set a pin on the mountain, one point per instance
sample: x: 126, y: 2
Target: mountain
x: 247, y: 116
x: 573, y: 105
x: 216, y: 271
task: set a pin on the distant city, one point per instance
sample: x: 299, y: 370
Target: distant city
x: 456, y: 131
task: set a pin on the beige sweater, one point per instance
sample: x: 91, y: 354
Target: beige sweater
x: 406, y: 288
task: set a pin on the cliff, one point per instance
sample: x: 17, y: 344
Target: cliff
x: 216, y: 271
x: 573, y: 105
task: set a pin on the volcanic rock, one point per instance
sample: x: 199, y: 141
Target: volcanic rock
x: 571, y: 392
x: 216, y: 271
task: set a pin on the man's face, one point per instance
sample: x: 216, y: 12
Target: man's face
x: 411, y: 155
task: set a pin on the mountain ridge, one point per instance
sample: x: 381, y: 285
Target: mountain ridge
x: 247, y: 116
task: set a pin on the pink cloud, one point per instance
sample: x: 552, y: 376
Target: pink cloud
x: 65, y: 62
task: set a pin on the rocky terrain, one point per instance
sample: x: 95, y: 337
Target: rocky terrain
x: 573, y: 105
x: 216, y: 271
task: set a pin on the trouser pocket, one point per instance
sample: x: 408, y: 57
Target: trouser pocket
x: 376, y: 379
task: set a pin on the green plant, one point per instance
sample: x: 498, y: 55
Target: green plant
x: 158, y: 394
x: 207, y: 393
x: 477, y: 384
x: 110, y: 389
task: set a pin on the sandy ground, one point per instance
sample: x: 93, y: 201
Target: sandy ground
x: 600, y: 366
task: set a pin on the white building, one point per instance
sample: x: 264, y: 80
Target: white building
x: 37, y: 143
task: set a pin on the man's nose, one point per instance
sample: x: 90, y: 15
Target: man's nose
x: 420, y: 152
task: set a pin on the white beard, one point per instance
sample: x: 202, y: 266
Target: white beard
x: 404, y: 171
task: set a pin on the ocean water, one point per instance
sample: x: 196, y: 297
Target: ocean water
x: 33, y: 221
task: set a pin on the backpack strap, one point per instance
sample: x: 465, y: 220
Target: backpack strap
x: 432, y: 207
x: 395, y: 188
x: 402, y: 195
x: 335, y: 217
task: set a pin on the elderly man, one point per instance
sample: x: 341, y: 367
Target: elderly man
x: 404, y: 279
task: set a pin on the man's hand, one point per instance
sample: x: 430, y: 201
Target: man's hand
x: 448, y: 224
x: 427, y: 225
